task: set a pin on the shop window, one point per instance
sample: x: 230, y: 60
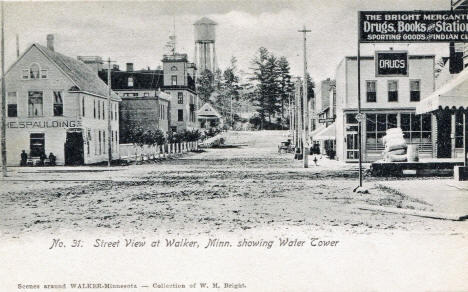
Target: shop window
x: 35, y: 104
x: 376, y: 127
x: 458, y: 130
x: 371, y: 91
x: 36, y: 144
x: 392, y: 90
x: 351, y: 119
x: 180, y: 98
x: 174, y: 79
x: 34, y: 71
x: 58, y: 104
x: 180, y: 115
x: 415, y: 90
x: 12, y: 107
x: 416, y: 128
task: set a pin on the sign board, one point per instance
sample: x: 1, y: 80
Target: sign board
x: 413, y: 26
x: 43, y: 124
x: 360, y: 117
x: 391, y: 63
x: 322, y: 121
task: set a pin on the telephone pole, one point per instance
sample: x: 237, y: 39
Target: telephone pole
x: 4, y: 152
x: 299, y: 119
x: 305, y: 135
x: 109, y: 127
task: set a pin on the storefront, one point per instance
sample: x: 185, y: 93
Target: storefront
x: 57, y: 105
x: 386, y: 102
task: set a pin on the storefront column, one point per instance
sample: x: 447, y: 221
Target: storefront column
x: 452, y: 134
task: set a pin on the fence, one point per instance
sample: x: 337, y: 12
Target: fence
x: 131, y: 152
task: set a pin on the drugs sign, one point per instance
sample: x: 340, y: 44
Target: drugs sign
x: 391, y: 63
x: 413, y: 26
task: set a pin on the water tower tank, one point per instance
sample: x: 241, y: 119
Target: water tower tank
x: 205, y: 30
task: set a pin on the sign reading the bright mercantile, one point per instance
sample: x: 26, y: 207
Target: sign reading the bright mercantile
x: 413, y: 26
x: 391, y: 63
x: 43, y: 124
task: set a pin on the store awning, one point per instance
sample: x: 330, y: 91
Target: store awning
x: 328, y: 133
x: 452, y: 95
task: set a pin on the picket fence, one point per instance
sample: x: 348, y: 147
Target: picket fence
x: 131, y: 152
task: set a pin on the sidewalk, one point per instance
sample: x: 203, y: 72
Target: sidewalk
x: 445, y: 195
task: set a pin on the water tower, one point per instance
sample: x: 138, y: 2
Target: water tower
x: 205, y: 50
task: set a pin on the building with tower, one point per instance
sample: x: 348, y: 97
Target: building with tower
x: 205, y: 44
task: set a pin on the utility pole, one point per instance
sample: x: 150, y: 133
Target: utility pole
x: 299, y: 118
x: 109, y: 127
x: 4, y: 152
x: 305, y: 135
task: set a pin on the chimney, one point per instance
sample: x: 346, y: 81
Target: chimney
x: 129, y: 67
x: 50, y: 42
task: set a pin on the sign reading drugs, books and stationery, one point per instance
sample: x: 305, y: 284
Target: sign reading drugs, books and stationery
x: 413, y: 26
x: 391, y: 63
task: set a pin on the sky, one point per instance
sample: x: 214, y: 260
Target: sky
x: 137, y: 31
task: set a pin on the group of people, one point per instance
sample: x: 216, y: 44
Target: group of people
x: 42, y: 158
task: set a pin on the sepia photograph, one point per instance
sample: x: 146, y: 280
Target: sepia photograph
x: 234, y: 145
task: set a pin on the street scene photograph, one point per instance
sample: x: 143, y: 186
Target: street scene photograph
x: 264, y: 145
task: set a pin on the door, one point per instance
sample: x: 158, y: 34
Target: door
x: 74, y: 148
x: 352, y: 147
x: 444, y: 130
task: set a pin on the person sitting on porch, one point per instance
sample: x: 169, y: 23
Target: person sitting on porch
x: 52, y: 159
x: 24, y: 158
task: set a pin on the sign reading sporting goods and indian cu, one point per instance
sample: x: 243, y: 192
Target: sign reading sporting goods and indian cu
x: 413, y: 26
x: 391, y: 63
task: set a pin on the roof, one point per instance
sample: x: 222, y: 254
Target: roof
x: 142, y: 80
x: 452, y: 95
x: 205, y: 20
x: 84, y: 77
x: 207, y: 110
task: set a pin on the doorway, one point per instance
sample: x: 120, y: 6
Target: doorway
x: 352, y: 146
x: 74, y: 148
x: 444, y: 130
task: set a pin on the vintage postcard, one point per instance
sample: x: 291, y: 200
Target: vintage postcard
x: 209, y: 145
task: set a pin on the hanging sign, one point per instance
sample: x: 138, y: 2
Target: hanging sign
x: 391, y: 63
x: 413, y: 26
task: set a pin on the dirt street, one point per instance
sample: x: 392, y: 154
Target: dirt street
x: 242, y: 188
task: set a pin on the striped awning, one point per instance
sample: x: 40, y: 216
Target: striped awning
x: 328, y: 133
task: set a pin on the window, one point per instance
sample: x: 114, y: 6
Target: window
x: 371, y: 91
x: 88, y: 150
x: 103, y: 111
x: 100, y: 143
x: 174, y: 68
x: 25, y: 74
x: 146, y: 94
x: 376, y: 127
x: 43, y: 74
x: 174, y: 79
x: 36, y: 144
x: 131, y: 94
x: 35, y: 104
x: 180, y: 115
x: 415, y: 90
x: 392, y: 90
x: 116, y: 114
x: 130, y: 81
x: 458, y: 130
x: 416, y: 128
x: 94, y: 101
x: 34, y: 71
x: 180, y: 98
x: 99, y: 109
x: 12, y: 108
x: 58, y: 104
x: 82, y: 107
